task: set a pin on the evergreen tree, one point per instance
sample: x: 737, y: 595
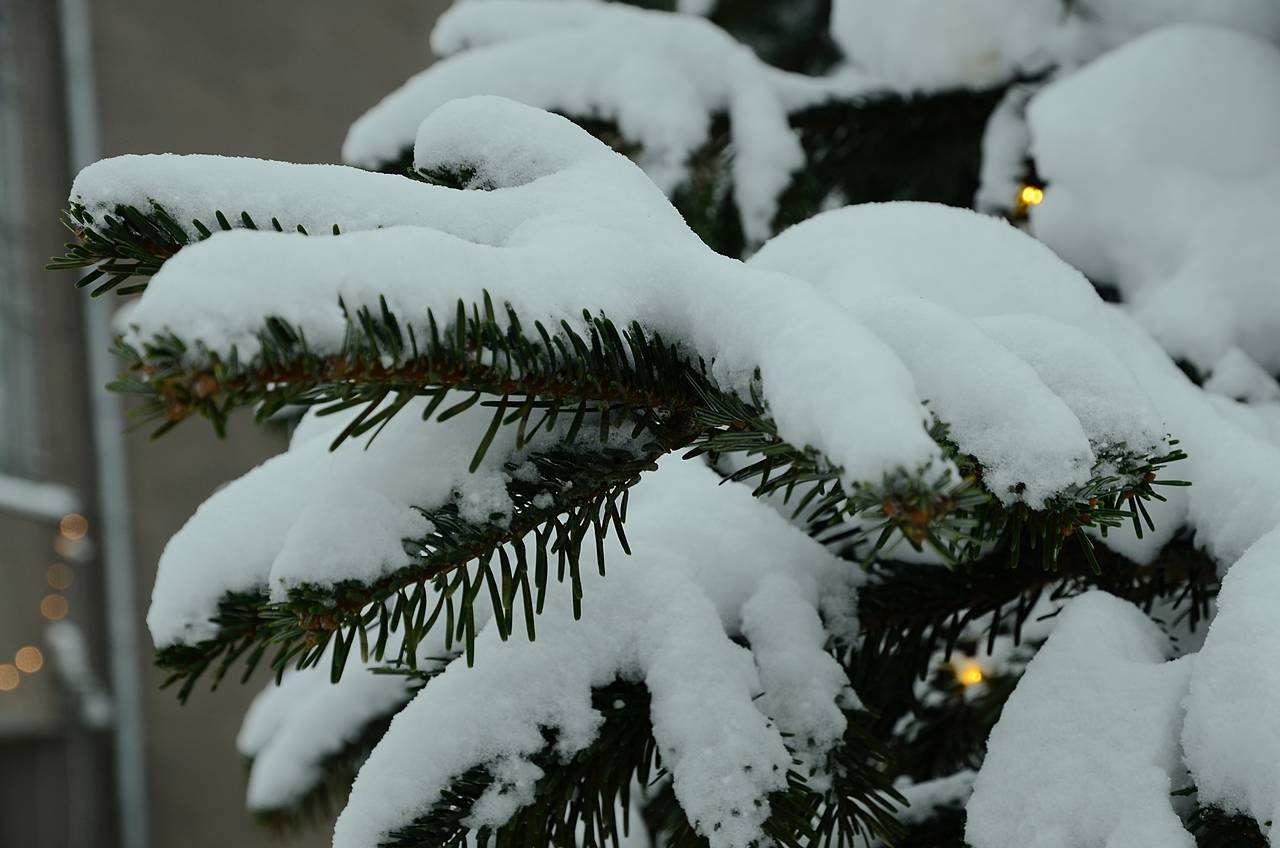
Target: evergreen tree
x: 617, y: 514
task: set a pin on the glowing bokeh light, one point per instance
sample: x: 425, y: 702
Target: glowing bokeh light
x: 969, y: 672
x: 29, y: 660
x: 9, y: 678
x: 54, y: 607
x: 1031, y: 196
x: 73, y: 526
x: 60, y: 576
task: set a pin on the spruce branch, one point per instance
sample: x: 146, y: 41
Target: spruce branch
x: 599, y: 380
x: 909, y: 614
x: 575, y: 500
x: 571, y: 384
x: 130, y: 243
x: 1217, y: 828
x: 547, y: 372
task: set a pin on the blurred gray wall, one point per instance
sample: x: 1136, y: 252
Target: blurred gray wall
x: 279, y: 79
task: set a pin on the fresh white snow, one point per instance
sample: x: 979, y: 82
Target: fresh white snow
x: 1086, y: 750
x: 1176, y: 201
x: 1232, y: 748
x: 922, y: 44
x: 664, y: 616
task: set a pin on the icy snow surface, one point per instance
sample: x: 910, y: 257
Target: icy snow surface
x: 1176, y: 202
x: 1086, y: 748
x: 663, y: 616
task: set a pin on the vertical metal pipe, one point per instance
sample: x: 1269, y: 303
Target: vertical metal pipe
x: 114, y: 521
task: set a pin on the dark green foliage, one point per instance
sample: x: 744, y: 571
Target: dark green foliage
x: 1214, y: 828
x: 908, y: 613
x: 944, y: 828
x: 950, y: 734
x: 128, y: 244
x: 537, y: 376
x: 913, y: 619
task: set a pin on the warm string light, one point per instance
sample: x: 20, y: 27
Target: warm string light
x: 54, y: 607
x: 969, y: 672
x: 1028, y: 196
x: 72, y: 530
x: 73, y: 526
x: 29, y: 660
x: 9, y: 677
x: 60, y: 576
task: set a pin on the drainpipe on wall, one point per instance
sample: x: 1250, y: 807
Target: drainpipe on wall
x: 112, y: 495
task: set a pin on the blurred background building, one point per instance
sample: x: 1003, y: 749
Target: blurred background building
x: 92, y: 753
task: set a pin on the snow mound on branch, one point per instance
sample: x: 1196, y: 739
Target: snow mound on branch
x: 660, y: 77
x: 1230, y: 737
x: 801, y: 681
x: 293, y: 728
x: 923, y: 44
x: 596, y: 234
x: 315, y: 517
x: 1105, y: 24
x: 1086, y: 748
x: 314, y: 197
x: 1237, y: 376
x: 664, y: 616
x: 919, y: 275
x: 1175, y: 203
x: 926, y: 797
x: 984, y: 269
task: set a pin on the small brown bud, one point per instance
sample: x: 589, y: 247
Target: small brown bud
x: 206, y: 386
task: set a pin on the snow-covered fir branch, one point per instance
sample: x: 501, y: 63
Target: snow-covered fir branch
x: 624, y: 511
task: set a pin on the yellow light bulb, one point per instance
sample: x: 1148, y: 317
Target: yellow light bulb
x: 1030, y: 196
x: 969, y: 673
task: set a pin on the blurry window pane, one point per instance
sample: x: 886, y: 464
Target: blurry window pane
x: 19, y: 442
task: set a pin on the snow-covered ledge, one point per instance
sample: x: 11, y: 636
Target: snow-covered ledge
x: 41, y: 501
